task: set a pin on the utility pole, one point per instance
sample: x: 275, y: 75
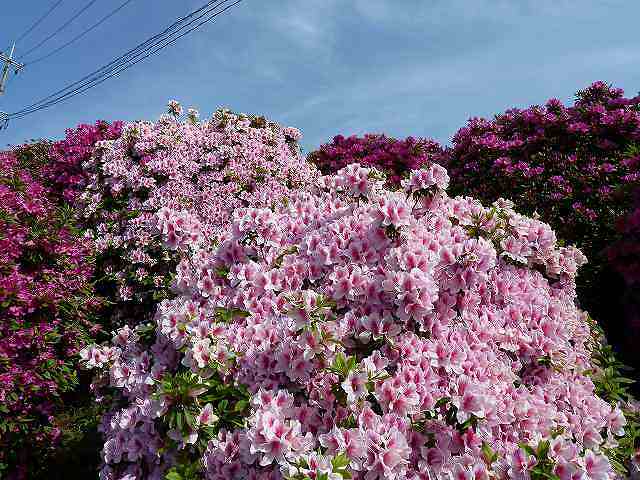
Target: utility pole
x: 8, y: 61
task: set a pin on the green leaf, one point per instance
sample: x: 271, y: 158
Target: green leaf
x: 180, y: 421
x: 543, y: 449
x: 226, y: 315
x: 489, y: 454
x: 190, y: 418
x: 340, y: 461
x: 351, y: 364
x: 625, y: 380
x: 241, y: 405
x: 527, y: 448
x: 469, y: 422
x: 339, y: 363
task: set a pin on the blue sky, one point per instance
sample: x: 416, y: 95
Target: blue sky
x: 328, y: 67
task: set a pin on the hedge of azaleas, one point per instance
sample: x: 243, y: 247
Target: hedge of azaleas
x: 48, y: 309
x: 272, y: 320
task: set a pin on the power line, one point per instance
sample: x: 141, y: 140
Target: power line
x: 123, y: 58
x: 4, y: 120
x: 127, y: 61
x: 78, y: 37
x: 98, y: 80
x: 64, y: 25
x: 37, y: 22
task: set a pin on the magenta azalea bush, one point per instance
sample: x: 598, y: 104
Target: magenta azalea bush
x: 46, y: 307
x: 563, y: 162
x: 395, y: 157
x: 357, y: 332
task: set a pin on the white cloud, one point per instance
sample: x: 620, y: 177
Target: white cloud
x: 309, y: 24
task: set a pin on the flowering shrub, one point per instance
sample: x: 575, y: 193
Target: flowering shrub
x: 575, y: 166
x: 357, y: 332
x: 46, y: 306
x: 163, y: 188
x: 395, y: 157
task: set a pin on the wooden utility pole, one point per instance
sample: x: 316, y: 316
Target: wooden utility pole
x: 8, y: 62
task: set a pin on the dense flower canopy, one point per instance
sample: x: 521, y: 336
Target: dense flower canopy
x: 348, y: 315
x: 358, y: 331
x: 162, y: 186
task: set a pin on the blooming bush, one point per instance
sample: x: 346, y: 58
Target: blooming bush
x: 46, y: 307
x: 275, y: 323
x: 357, y: 332
x: 395, y: 157
x: 575, y: 166
x: 164, y: 188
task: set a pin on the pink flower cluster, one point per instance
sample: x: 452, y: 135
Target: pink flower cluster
x: 379, y: 334
x: 163, y: 188
x: 425, y: 180
x: 178, y: 228
x: 574, y: 165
